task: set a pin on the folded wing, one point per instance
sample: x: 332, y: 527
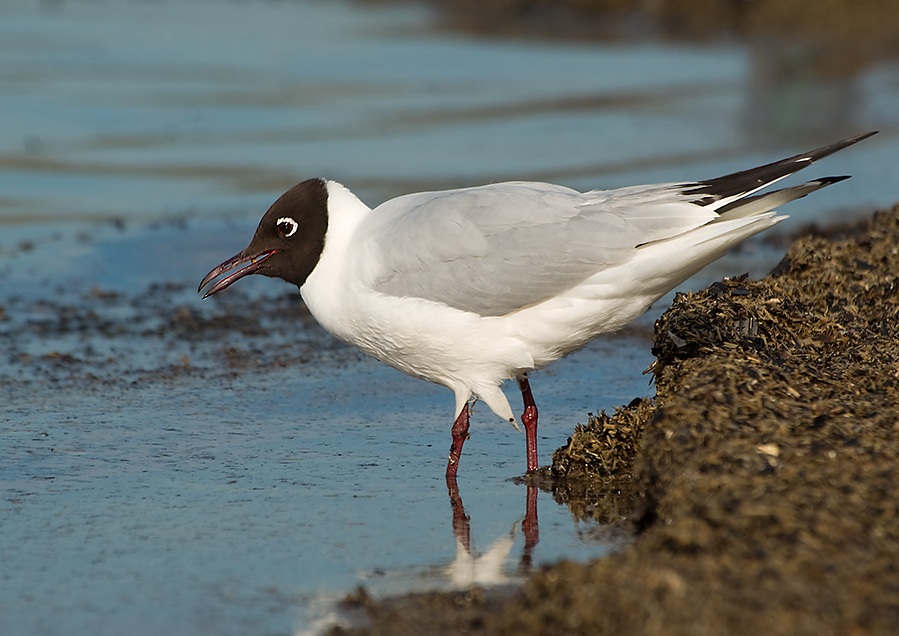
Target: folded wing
x: 496, y: 249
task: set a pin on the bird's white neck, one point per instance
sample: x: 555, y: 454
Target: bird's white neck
x: 345, y: 212
x: 323, y: 288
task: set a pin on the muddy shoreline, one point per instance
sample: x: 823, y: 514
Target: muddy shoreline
x: 761, y: 477
x: 843, y: 35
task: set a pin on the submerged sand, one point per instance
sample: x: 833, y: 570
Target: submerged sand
x: 760, y: 478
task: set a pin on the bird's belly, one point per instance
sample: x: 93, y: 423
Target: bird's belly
x: 564, y: 325
x: 429, y: 340
x: 456, y: 348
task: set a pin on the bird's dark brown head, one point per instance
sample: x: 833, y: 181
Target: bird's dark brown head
x: 288, y: 242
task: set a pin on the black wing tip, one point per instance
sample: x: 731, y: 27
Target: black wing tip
x: 826, y: 181
x: 744, y: 181
x: 819, y: 153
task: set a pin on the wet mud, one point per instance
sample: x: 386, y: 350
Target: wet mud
x: 760, y: 478
x: 80, y: 338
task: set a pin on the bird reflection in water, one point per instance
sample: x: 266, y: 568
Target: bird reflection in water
x: 469, y: 567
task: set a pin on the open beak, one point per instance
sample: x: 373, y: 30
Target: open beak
x: 238, y: 266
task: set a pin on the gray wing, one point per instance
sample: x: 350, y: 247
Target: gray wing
x: 498, y: 248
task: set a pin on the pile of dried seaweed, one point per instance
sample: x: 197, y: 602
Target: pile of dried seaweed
x: 605, y: 448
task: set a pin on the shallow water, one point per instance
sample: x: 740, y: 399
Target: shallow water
x: 165, y: 472
x: 157, y: 481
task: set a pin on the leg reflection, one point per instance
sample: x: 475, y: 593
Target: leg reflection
x: 488, y: 568
x: 461, y: 521
x: 530, y: 529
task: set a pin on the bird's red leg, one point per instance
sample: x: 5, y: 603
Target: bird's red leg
x: 460, y: 434
x: 529, y: 419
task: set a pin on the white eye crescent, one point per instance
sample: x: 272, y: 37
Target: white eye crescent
x: 287, y: 226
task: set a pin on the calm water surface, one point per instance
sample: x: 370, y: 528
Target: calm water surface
x: 141, y: 142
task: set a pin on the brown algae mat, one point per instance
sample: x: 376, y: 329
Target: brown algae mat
x: 765, y: 469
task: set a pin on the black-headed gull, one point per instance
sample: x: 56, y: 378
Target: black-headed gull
x: 471, y: 287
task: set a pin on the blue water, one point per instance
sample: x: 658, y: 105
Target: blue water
x: 140, y: 142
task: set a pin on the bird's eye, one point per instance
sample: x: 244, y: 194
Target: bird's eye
x: 287, y: 227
